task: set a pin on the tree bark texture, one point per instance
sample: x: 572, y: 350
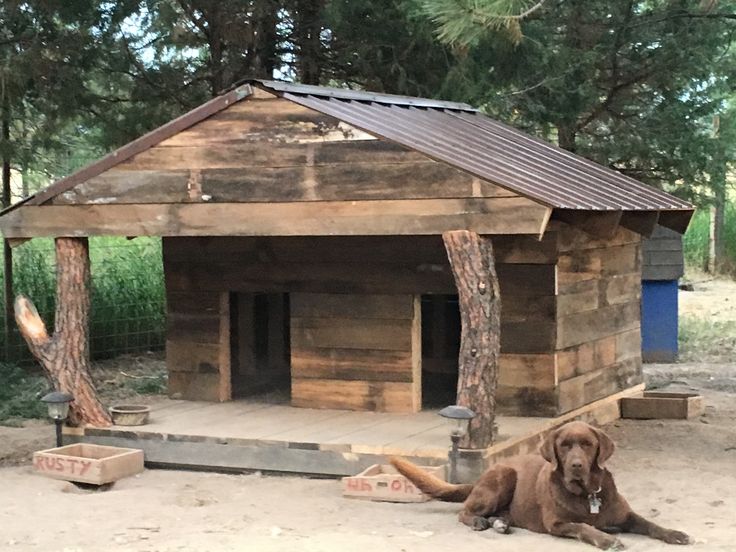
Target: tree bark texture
x: 6, y: 201
x: 471, y: 258
x: 65, y: 355
x: 308, y: 27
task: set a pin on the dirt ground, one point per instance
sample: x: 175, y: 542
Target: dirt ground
x: 681, y: 474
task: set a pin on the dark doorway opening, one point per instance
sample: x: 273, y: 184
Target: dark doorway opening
x: 259, y: 344
x: 440, y: 350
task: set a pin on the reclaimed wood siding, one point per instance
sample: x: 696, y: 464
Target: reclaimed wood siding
x: 409, y: 265
x: 598, y: 316
x: 356, y: 352
x: 272, y: 150
x: 270, y: 167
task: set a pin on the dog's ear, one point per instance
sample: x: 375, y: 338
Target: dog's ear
x: 548, y: 448
x: 605, y: 447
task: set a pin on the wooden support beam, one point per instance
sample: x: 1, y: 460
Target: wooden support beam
x: 471, y: 258
x: 676, y: 220
x: 598, y: 224
x: 65, y: 355
x: 498, y: 215
x: 641, y: 222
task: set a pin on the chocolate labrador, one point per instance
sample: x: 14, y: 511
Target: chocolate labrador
x: 565, y: 491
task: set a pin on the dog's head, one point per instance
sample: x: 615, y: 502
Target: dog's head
x: 579, y: 451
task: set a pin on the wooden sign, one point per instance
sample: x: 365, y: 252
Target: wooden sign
x: 87, y: 463
x: 384, y: 483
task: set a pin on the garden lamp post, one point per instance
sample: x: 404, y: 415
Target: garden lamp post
x: 58, y: 405
x: 459, y: 418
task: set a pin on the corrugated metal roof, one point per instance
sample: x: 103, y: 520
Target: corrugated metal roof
x: 459, y: 135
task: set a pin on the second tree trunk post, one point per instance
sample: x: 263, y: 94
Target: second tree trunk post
x: 471, y: 259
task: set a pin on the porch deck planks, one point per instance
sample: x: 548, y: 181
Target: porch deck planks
x: 422, y: 433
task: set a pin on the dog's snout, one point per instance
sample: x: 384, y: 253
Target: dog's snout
x: 577, y: 464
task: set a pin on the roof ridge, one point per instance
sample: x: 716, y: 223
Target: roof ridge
x: 284, y: 87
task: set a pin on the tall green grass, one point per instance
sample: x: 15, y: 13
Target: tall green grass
x: 127, y: 294
x: 696, y: 240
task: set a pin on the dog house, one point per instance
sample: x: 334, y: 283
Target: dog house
x: 303, y: 252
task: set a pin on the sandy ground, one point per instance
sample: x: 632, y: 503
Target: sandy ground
x: 681, y: 474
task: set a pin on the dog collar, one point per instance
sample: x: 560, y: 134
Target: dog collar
x: 594, y: 501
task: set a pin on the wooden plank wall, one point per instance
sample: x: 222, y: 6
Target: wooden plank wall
x: 356, y: 351
x: 662, y: 255
x: 598, y: 316
x: 410, y: 265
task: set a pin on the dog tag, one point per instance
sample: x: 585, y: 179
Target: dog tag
x: 595, y: 504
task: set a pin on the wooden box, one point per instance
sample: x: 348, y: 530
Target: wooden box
x: 384, y: 483
x: 87, y: 463
x: 656, y: 404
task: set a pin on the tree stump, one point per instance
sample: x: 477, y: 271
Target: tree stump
x: 471, y: 259
x: 65, y: 355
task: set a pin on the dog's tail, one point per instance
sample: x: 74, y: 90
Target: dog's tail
x: 429, y: 484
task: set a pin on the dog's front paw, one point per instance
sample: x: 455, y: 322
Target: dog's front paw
x: 499, y: 525
x: 480, y: 524
x: 675, y: 537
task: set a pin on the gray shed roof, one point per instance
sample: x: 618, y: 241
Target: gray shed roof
x: 453, y: 133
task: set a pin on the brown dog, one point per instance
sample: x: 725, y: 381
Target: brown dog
x: 565, y: 491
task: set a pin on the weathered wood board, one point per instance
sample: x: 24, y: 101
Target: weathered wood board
x: 501, y: 215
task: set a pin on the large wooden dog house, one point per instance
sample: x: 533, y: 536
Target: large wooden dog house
x: 302, y: 248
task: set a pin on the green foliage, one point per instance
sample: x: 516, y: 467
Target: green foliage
x: 696, y: 241
x: 392, y: 49
x: 19, y: 394
x: 127, y: 296
x: 633, y: 85
x: 706, y: 340
x: 463, y: 23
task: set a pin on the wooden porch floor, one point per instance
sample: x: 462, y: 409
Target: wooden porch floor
x: 420, y: 434
x: 268, y: 435
x: 260, y: 434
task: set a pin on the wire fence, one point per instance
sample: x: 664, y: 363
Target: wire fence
x: 127, y: 296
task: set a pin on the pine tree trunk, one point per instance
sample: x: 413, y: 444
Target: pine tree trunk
x: 308, y: 28
x: 65, y: 355
x: 471, y: 258
x: 6, y: 201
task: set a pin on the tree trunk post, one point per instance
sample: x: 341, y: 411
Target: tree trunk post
x: 65, y: 355
x: 471, y: 259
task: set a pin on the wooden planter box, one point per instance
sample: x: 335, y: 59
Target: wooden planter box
x: 655, y: 404
x: 384, y: 483
x: 86, y: 463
